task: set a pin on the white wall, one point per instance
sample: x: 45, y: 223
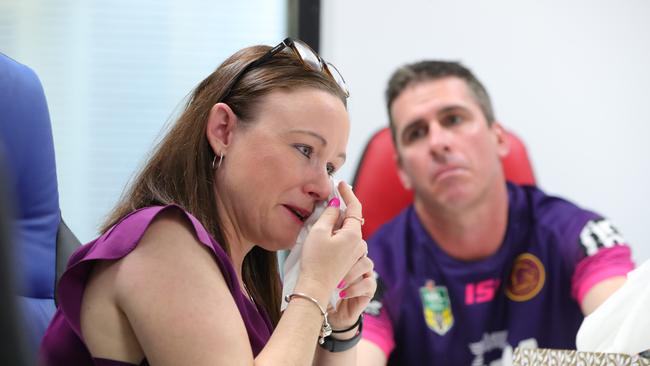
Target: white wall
x: 571, y: 78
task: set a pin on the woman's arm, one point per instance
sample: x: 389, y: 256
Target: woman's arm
x: 181, y: 311
x: 356, y: 289
x: 177, y: 301
x: 356, y: 296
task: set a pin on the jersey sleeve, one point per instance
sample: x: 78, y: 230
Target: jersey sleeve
x: 603, y: 254
x: 590, y: 246
x: 377, y: 327
x: 387, y: 249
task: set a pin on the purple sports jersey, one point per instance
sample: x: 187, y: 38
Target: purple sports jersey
x: 444, y: 311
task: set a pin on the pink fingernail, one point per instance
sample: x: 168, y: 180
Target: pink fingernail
x: 341, y: 284
x: 334, y: 202
x: 342, y: 294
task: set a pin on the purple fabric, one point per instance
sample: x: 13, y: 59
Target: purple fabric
x: 486, y: 317
x: 63, y: 343
x: 107, y: 362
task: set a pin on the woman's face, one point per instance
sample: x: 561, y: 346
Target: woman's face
x: 278, y: 168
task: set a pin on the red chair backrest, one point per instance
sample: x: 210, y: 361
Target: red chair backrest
x: 382, y: 194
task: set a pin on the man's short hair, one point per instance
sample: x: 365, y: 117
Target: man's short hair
x: 422, y: 71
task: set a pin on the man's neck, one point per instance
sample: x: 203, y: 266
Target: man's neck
x: 470, y: 234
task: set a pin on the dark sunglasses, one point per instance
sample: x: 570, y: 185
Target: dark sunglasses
x: 305, y: 54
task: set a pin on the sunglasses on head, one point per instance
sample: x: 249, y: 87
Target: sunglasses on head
x: 308, y: 57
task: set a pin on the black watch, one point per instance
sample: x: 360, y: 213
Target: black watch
x: 340, y: 345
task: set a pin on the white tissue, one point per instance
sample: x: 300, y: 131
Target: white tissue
x: 292, y: 263
x: 621, y: 324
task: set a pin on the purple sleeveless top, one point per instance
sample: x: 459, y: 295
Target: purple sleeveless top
x: 63, y: 343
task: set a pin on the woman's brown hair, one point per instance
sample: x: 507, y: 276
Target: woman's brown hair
x: 180, y: 172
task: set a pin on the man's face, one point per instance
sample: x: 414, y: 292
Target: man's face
x: 447, y: 153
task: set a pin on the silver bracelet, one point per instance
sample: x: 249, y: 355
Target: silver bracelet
x: 326, y: 329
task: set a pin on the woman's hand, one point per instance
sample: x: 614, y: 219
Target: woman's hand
x: 356, y: 289
x: 329, y: 255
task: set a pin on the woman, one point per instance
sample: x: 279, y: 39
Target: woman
x: 185, y: 271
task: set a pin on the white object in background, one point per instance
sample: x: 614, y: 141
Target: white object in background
x: 291, y: 268
x: 506, y: 356
x: 621, y: 324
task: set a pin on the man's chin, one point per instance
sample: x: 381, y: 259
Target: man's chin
x: 453, y: 198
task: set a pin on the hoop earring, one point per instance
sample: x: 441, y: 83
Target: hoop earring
x: 214, y: 160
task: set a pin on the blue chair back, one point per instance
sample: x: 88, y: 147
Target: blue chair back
x: 27, y: 145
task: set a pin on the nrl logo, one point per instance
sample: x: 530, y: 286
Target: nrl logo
x: 437, y: 307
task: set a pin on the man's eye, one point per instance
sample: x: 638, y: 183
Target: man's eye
x: 416, y: 133
x: 453, y: 119
x: 305, y: 150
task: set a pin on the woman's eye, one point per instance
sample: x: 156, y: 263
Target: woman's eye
x: 330, y: 169
x: 308, y: 151
x: 305, y: 150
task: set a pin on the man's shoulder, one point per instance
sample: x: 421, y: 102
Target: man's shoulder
x: 387, y: 246
x: 545, y: 210
x: 557, y: 222
x: 393, y: 231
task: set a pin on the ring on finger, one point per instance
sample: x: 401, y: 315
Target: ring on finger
x: 358, y: 218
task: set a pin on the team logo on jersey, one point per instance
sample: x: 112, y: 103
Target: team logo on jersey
x: 437, y: 307
x: 526, y: 279
x: 598, y: 234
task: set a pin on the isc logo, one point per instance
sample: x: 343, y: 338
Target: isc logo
x: 480, y: 292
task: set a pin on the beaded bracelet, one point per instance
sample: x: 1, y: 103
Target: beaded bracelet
x: 326, y: 329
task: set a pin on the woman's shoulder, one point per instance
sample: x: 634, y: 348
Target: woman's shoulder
x: 173, y: 232
x: 136, y: 223
x: 149, y: 238
x: 163, y: 224
x: 172, y: 243
x: 154, y: 250
x: 170, y: 230
x: 168, y: 275
x: 167, y: 222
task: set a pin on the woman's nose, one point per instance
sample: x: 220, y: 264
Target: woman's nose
x: 319, y: 186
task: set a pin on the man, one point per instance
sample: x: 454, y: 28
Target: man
x: 476, y: 265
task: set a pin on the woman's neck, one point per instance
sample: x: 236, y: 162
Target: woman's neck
x: 238, y: 245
